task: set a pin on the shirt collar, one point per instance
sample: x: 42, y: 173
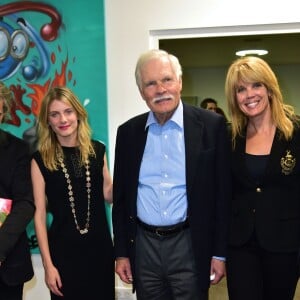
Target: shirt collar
x: 177, y: 117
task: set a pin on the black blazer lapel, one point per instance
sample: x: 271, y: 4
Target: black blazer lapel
x: 239, y: 158
x: 140, y: 136
x: 193, y: 131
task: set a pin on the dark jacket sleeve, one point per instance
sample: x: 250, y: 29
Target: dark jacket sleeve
x: 15, y: 184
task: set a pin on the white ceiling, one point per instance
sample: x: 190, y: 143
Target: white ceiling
x: 220, y: 51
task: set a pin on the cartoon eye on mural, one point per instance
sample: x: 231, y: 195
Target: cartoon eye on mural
x: 14, y: 46
x: 15, y: 42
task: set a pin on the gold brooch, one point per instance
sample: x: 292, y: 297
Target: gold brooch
x: 287, y: 163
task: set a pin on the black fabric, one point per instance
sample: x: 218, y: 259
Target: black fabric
x: 13, y: 292
x: 256, y: 165
x: 266, y: 275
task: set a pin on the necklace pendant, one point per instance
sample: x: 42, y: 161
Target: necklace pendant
x: 83, y: 231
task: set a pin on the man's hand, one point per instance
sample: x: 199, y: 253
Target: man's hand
x: 217, y: 268
x: 123, y: 269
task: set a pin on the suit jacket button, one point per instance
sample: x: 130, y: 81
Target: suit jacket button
x: 258, y: 190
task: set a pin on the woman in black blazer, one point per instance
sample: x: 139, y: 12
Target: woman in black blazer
x: 262, y: 261
x: 15, y: 184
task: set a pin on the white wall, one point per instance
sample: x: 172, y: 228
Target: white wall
x: 36, y: 288
x: 131, y: 27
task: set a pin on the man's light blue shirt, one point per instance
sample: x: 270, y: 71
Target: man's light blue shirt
x: 162, y: 197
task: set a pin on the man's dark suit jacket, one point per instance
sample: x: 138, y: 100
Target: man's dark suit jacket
x: 15, y: 184
x: 272, y: 206
x: 207, y: 150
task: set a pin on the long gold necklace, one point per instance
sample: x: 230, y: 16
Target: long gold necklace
x: 71, y: 194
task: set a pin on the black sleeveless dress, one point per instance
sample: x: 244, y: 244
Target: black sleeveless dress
x: 85, y: 262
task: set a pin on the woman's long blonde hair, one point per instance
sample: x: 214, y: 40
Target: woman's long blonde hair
x: 254, y: 69
x: 48, y: 144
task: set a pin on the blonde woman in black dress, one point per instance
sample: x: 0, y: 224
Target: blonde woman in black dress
x: 71, y: 180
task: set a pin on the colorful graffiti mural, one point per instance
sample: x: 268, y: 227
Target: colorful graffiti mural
x: 44, y: 45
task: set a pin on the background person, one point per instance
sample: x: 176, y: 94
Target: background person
x: 15, y: 184
x: 262, y: 260
x: 171, y: 189
x: 209, y: 103
x: 71, y: 178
